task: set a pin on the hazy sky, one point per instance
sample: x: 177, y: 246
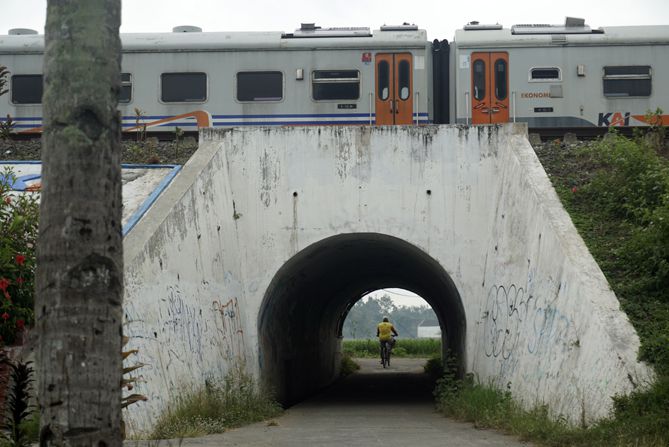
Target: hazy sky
x: 439, y: 17
x: 400, y: 297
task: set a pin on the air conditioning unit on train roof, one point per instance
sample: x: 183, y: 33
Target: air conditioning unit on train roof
x: 403, y: 27
x: 572, y: 25
x: 186, y: 29
x: 311, y: 30
x: 22, y: 32
x: 476, y: 26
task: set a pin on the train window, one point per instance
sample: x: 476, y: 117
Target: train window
x: 335, y: 84
x: 125, y: 94
x: 183, y: 87
x: 404, y: 79
x: 540, y: 74
x: 501, y: 79
x: 627, y: 80
x: 255, y: 86
x: 384, y: 80
x: 479, y: 79
x: 27, y: 89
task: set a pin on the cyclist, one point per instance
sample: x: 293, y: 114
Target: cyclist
x: 385, y: 331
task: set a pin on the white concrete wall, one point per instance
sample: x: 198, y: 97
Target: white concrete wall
x: 548, y: 327
x: 199, y: 263
x: 183, y: 289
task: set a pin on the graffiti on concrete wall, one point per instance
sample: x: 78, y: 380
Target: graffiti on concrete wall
x: 515, y: 319
x: 184, y: 322
x: 229, y: 328
x: 186, y: 333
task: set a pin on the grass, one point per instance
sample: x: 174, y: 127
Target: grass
x: 405, y: 347
x: 616, y: 191
x: 234, y: 401
x: 434, y: 367
x: 348, y: 365
x: 488, y: 407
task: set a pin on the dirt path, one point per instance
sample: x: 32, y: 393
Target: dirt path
x: 390, y: 407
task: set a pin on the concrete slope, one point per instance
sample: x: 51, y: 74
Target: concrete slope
x: 259, y: 247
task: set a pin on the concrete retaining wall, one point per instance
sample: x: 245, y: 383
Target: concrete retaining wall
x: 538, y: 316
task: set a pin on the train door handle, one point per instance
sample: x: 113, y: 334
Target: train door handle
x: 494, y: 110
x: 392, y: 106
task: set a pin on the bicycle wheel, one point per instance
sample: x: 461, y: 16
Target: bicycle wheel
x: 385, y: 353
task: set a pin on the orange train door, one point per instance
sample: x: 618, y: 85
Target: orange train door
x: 394, y: 88
x: 490, y: 88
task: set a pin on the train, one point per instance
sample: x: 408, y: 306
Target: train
x: 567, y: 76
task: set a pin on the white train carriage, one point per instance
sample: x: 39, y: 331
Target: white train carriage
x: 191, y: 79
x: 567, y: 76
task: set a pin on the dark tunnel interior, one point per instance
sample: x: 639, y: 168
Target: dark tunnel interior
x: 305, y: 306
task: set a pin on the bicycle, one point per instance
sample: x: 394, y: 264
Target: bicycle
x: 386, y: 350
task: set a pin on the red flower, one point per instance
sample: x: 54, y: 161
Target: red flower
x: 20, y: 259
x: 20, y: 280
x: 20, y: 324
x: 4, y: 283
x: 5, y: 316
x: 574, y: 189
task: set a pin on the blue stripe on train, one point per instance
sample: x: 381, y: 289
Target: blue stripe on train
x: 220, y: 120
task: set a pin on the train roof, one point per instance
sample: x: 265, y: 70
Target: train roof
x: 493, y: 36
x: 401, y: 36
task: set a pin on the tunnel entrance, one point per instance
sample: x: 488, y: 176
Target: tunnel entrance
x: 306, y: 303
x: 410, y: 315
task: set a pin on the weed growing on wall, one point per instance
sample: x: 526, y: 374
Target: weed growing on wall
x: 348, y: 365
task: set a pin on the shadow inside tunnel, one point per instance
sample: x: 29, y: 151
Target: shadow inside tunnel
x: 404, y: 382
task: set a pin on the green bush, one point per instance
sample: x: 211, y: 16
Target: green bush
x: 617, y: 193
x: 632, y: 179
x: 622, y: 211
x: 18, y: 236
x: 348, y: 365
x: 434, y: 367
x: 234, y: 401
x: 404, y: 347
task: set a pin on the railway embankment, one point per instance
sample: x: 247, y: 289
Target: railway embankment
x: 144, y: 151
x: 616, y: 191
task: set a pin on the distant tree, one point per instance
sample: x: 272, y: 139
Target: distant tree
x: 362, y: 319
x: 367, y: 313
x: 80, y: 261
x: 407, y: 318
x: 387, y: 305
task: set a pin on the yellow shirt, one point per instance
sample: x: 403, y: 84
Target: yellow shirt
x: 385, y: 330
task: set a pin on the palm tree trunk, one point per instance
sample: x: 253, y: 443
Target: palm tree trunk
x: 80, y: 264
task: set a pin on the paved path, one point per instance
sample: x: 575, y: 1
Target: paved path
x: 374, y: 407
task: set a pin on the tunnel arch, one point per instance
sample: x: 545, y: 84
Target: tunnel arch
x: 304, y: 307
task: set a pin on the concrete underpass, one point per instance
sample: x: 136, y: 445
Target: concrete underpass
x: 257, y: 249
x: 307, y: 302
